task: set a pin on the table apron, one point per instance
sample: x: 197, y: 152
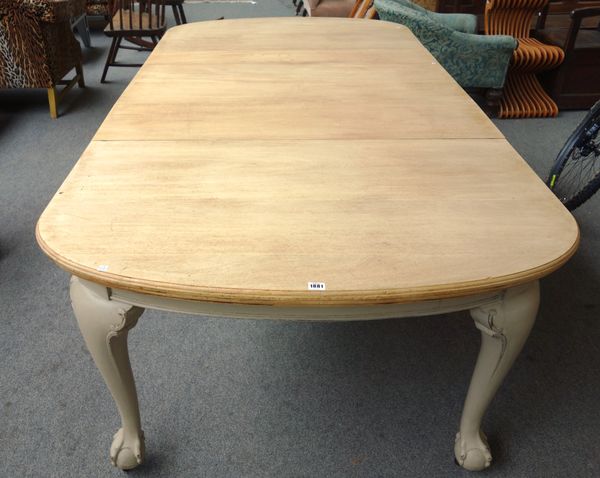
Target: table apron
x: 306, y: 313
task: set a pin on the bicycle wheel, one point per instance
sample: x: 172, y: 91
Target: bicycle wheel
x: 575, y: 175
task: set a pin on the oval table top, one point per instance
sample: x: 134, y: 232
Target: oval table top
x: 249, y: 158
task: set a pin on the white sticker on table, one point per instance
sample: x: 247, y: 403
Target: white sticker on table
x: 317, y: 286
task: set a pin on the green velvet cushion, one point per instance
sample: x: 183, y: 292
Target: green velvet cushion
x: 472, y: 60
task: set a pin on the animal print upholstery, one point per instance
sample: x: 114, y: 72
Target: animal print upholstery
x: 97, y: 7
x: 37, y: 45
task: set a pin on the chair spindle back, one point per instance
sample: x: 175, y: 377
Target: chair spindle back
x: 136, y: 14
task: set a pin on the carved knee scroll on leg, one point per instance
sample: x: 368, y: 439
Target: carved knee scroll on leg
x: 104, y: 325
x: 505, y: 326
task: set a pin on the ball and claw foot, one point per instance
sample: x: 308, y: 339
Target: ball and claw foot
x: 472, y: 455
x: 127, y: 454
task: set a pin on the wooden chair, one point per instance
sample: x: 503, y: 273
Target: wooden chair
x: 557, y: 14
x: 178, y: 12
x: 524, y: 96
x: 133, y: 20
x: 100, y: 8
x: 575, y: 84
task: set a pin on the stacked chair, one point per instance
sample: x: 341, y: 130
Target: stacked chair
x: 523, y: 96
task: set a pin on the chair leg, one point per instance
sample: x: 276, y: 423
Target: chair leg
x: 109, y: 58
x: 84, y: 32
x: 83, y: 29
x: 80, y: 79
x: 182, y: 13
x: 53, y: 102
x: 493, y: 96
x: 176, y: 14
x: 114, y: 51
x: 117, y: 46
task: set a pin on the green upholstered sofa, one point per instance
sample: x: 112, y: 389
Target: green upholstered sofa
x: 472, y: 60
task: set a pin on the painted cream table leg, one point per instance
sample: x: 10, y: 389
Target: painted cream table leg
x: 504, y: 325
x: 104, y: 325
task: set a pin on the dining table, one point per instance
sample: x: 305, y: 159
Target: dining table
x: 305, y: 169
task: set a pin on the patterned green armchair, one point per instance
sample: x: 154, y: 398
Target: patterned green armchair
x: 472, y: 60
x: 456, y: 21
x: 37, y: 47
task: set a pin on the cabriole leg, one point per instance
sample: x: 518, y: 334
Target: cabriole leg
x: 504, y: 326
x: 104, y: 325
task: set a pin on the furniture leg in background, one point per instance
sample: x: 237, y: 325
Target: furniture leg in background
x: 55, y: 96
x: 178, y: 11
x: 81, y: 26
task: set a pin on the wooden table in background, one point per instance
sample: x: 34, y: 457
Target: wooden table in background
x: 239, y: 166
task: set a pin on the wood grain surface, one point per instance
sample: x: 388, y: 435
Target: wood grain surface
x: 238, y: 166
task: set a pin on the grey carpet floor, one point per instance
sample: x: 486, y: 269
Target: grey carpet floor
x: 229, y: 398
